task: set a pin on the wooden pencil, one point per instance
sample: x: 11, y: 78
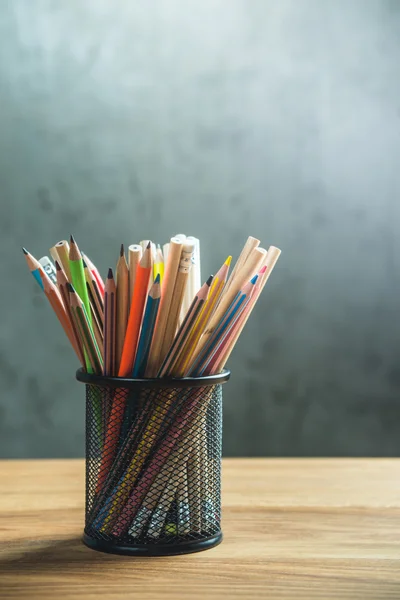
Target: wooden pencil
x: 54, y: 254
x: 250, y: 245
x: 78, y: 276
x: 165, y: 252
x: 126, y: 365
x: 167, y: 291
x: 83, y: 326
x: 110, y: 314
x: 270, y: 262
x: 62, y: 283
x: 146, y: 334
x: 189, y: 322
x: 251, y: 266
x: 158, y: 266
x: 95, y: 273
x: 95, y: 296
x: 34, y: 267
x: 135, y: 256
x: 185, y: 264
x: 231, y: 314
x: 62, y: 249
x: 122, y: 277
x: 189, y: 348
x: 136, y: 314
x: 57, y: 304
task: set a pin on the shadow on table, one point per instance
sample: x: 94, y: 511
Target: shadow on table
x: 25, y: 570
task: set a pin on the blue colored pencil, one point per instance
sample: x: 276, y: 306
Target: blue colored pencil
x: 34, y: 267
x: 231, y: 314
x: 146, y: 335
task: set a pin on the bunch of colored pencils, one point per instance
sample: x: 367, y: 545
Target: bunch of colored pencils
x: 154, y: 319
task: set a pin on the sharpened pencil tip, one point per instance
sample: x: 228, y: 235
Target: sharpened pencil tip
x: 58, y: 266
x: 228, y: 261
x: 25, y: 251
x: 84, y: 263
x: 254, y: 279
x: 70, y: 288
x: 148, y: 246
x: 110, y: 273
x: 71, y: 239
x: 157, y: 279
x: 209, y: 280
x: 122, y: 251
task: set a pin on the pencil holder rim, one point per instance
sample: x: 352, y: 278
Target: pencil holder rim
x: 154, y: 383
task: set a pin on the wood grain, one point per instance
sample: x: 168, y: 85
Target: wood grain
x: 301, y: 528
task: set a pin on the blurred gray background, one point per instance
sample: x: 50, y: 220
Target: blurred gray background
x: 217, y: 118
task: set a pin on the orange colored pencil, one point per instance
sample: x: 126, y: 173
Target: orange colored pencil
x: 143, y: 274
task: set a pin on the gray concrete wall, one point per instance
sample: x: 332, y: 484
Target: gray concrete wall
x: 219, y: 118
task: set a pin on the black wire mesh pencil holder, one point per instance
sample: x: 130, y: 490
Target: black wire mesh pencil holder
x: 153, y: 464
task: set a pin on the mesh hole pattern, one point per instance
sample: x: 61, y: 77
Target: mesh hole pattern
x: 153, y: 465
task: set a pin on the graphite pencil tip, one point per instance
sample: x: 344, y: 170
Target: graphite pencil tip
x: 157, y: 279
x: 71, y: 239
x: 209, y: 280
x: 110, y: 273
x: 70, y: 288
x: 148, y: 246
x: 122, y: 251
x: 25, y: 251
x: 58, y: 266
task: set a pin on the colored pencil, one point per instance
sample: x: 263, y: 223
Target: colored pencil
x: 180, y: 368
x: 135, y: 256
x: 167, y: 291
x: 78, y: 277
x: 143, y: 274
x: 62, y: 284
x: 96, y: 298
x: 270, y: 262
x: 158, y: 267
x: 57, y: 305
x: 185, y: 329
x: 83, y: 326
x: 110, y: 314
x: 95, y: 273
x: 251, y: 266
x: 34, y: 267
x: 122, y: 279
x: 232, y: 312
x: 146, y: 335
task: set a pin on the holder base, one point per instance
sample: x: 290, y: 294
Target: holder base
x: 154, y: 549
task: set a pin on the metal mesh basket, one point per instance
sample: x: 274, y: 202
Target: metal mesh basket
x: 153, y: 464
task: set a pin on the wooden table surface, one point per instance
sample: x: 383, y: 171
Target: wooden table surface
x: 301, y: 528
